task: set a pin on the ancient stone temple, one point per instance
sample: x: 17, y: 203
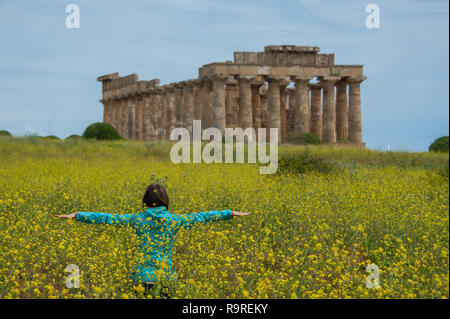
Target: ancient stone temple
x: 292, y: 88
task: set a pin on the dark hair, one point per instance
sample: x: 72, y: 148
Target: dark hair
x: 155, y: 196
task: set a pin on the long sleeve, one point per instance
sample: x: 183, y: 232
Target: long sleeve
x: 189, y: 220
x: 104, y: 218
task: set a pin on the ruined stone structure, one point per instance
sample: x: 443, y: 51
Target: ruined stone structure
x: 292, y: 88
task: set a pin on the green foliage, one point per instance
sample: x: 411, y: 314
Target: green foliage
x: 440, y: 145
x: 304, y: 139
x: 73, y: 137
x: 350, y: 156
x: 52, y: 137
x: 4, y: 133
x: 303, y: 162
x: 102, y: 132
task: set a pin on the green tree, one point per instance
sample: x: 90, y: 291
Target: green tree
x: 102, y: 132
x: 439, y: 145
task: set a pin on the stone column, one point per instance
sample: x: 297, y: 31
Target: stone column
x: 302, y: 116
x: 264, y: 105
x: 245, y: 102
x: 132, y: 117
x: 316, y: 110
x: 231, y: 102
x: 105, y: 111
x: 207, y: 104
x: 341, y: 111
x: 355, y: 126
x: 147, y: 112
x: 273, y: 116
x: 283, y: 120
x: 291, y: 111
x: 159, y: 115
x: 164, y: 114
x: 198, y: 100
x: 329, y: 111
x: 308, y: 94
x: 126, y: 118
x: 256, y: 103
x: 112, y: 112
x: 181, y: 108
x: 139, y: 118
x: 119, y: 116
x: 188, y: 106
x: 291, y: 94
x: 218, y: 118
x: 178, y: 105
x: 170, y: 109
x: 153, y: 115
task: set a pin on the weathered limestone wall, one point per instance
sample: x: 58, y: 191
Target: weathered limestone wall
x: 292, y: 88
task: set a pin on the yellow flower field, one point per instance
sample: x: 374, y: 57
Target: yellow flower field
x: 310, y: 235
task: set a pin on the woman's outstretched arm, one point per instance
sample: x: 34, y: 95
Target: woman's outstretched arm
x: 189, y: 220
x: 239, y: 213
x: 101, y: 218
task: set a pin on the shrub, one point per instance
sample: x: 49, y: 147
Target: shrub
x: 302, y: 162
x: 73, y: 137
x: 439, y: 145
x: 52, y: 137
x: 4, y: 133
x: 304, y: 139
x: 101, y: 131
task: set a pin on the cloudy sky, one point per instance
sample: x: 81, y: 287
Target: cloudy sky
x: 48, y: 72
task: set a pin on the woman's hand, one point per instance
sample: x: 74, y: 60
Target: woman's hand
x: 66, y: 216
x: 239, y: 213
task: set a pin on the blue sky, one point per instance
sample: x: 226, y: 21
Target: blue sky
x: 48, y: 72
